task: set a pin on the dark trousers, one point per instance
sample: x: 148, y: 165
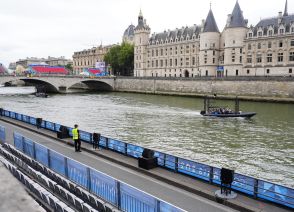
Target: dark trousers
x: 77, y: 144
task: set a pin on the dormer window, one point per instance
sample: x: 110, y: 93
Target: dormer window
x: 270, y: 33
x: 250, y: 34
x: 281, y: 31
x: 259, y: 34
x: 292, y: 29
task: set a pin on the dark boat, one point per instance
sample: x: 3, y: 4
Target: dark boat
x: 224, y: 112
x: 41, y: 92
x: 43, y: 95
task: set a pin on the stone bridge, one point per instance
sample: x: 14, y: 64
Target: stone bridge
x: 60, y: 84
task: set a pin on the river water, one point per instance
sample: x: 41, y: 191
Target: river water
x: 262, y: 147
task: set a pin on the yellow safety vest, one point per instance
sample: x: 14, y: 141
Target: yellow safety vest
x: 75, y: 134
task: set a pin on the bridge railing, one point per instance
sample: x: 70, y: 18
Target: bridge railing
x: 253, y: 187
x: 120, y: 194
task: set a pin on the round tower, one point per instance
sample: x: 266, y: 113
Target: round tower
x: 141, y: 41
x: 233, y: 36
x: 209, y: 47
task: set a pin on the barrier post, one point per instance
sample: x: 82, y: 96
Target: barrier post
x: 176, y: 164
x: 255, y: 192
x: 89, y: 179
x: 126, y: 148
x: 106, y: 142
x: 118, y: 195
x: 65, y: 167
x: 49, y: 164
x: 211, y: 175
x: 157, y: 209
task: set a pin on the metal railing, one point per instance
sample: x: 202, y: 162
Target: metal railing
x: 122, y: 195
x: 253, y: 187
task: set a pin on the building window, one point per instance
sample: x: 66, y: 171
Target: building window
x: 205, y: 60
x: 187, y: 61
x: 291, y: 56
x: 171, y: 51
x: 176, y: 62
x: 187, y: 49
x: 152, y: 53
x: 270, y: 32
x: 156, y: 63
x: 234, y: 41
x: 206, y: 73
x: 280, y: 57
x: 156, y: 52
x: 267, y: 71
x: 249, y: 58
x: 193, y: 61
x: 249, y: 46
x: 259, y: 58
x: 213, y: 60
x: 259, y: 45
x: 281, y: 31
x: 290, y: 70
x: 161, y: 63
x: 152, y: 63
x: 161, y: 52
x: 213, y: 53
x: 170, y: 62
x: 241, y: 50
x: 259, y: 34
x: 148, y: 63
x: 237, y: 72
x: 280, y: 44
x: 240, y: 59
x: 269, y: 57
x: 248, y: 71
x: 269, y: 45
x: 292, y: 42
x: 250, y: 35
x: 233, y: 58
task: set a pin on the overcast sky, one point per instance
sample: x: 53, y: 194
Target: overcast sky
x: 42, y: 28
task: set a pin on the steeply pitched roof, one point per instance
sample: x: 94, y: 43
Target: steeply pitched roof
x: 210, y: 24
x: 176, y: 34
x: 237, y: 19
x: 129, y: 31
x: 286, y: 9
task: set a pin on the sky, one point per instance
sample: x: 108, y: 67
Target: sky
x: 42, y: 28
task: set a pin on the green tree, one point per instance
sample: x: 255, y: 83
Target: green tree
x: 69, y: 67
x: 121, y: 59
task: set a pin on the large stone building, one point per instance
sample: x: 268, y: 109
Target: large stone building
x: 88, y: 58
x: 202, y: 50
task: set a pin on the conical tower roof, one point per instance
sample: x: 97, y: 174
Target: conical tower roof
x: 210, y: 24
x: 286, y: 9
x: 237, y: 19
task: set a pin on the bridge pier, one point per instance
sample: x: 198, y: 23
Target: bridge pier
x: 62, y: 89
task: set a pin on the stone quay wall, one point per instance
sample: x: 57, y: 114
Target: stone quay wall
x: 255, y: 89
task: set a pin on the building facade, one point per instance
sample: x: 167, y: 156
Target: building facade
x: 88, y: 58
x: 266, y: 49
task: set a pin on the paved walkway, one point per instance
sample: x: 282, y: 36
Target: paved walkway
x: 182, y: 191
x: 13, y: 196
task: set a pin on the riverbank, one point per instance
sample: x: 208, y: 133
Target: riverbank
x: 276, y: 90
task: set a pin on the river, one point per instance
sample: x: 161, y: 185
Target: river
x: 262, y: 147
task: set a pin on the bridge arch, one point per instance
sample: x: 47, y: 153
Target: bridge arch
x: 95, y: 85
x: 46, y: 86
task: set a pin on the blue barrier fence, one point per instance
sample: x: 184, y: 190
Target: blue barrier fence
x: 253, y: 187
x: 2, y: 134
x: 122, y: 195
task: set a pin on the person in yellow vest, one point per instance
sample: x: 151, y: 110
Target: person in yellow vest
x: 76, y: 138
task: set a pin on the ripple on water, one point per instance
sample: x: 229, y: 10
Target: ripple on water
x: 261, y: 147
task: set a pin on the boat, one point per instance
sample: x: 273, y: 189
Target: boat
x: 41, y: 94
x: 224, y: 112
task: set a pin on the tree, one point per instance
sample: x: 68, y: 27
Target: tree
x: 69, y: 67
x: 121, y: 59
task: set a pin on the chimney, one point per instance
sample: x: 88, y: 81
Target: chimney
x: 229, y: 20
x: 280, y: 18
